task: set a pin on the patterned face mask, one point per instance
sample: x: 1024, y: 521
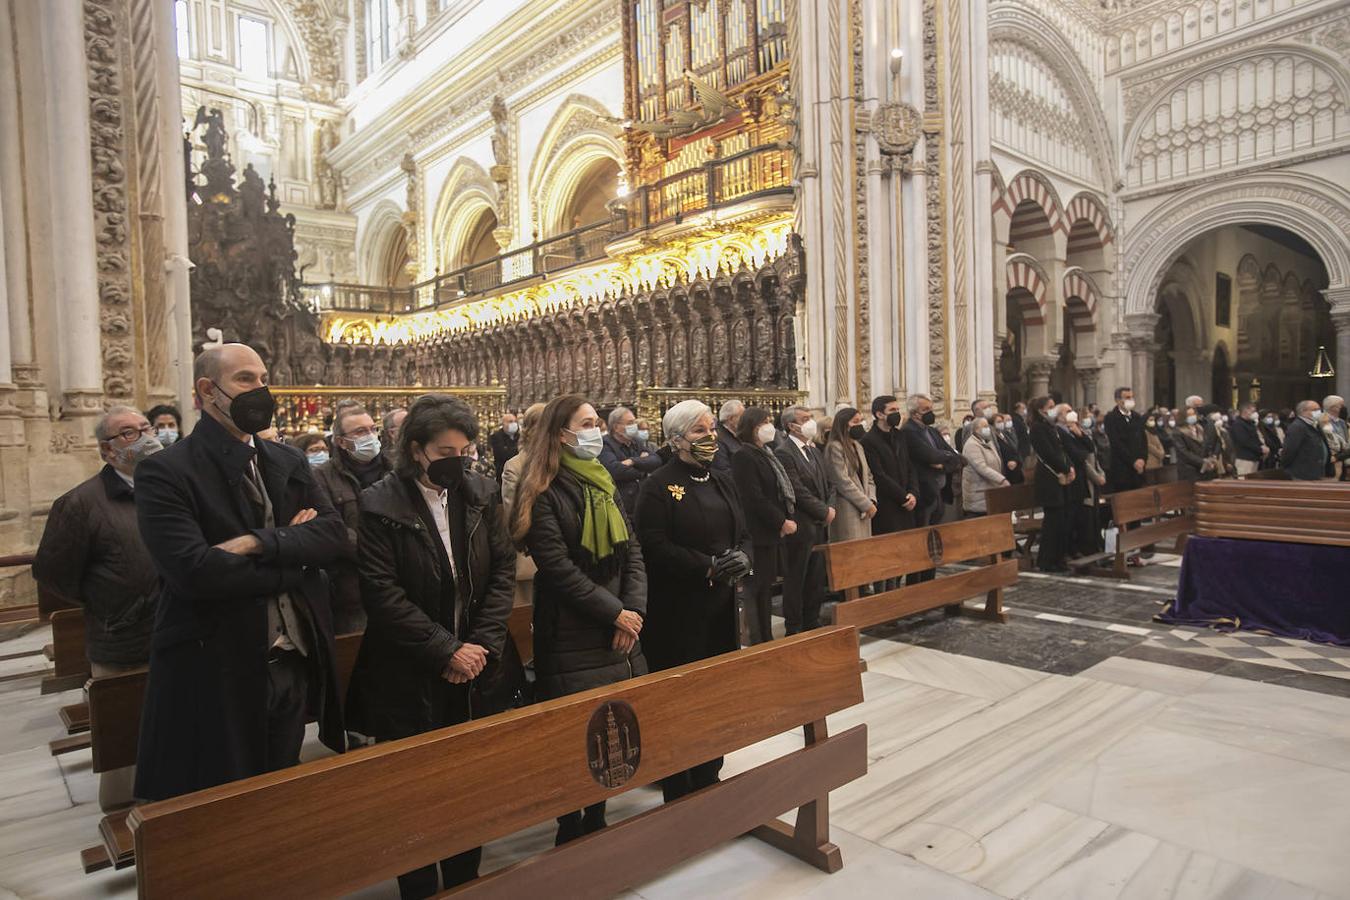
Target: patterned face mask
x: 704, y: 449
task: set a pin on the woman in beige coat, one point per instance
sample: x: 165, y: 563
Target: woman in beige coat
x: 525, y: 568
x: 983, y: 470
x: 846, y: 465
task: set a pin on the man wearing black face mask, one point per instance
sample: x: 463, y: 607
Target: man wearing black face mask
x: 242, y: 653
x: 888, y: 458
x: 438, y: 575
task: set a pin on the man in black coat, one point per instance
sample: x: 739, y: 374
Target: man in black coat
x: 934, y: 460
x: 888, y: 458
x: 626, y: 458
x: 1249, y: 444
x: 242, y: 652
x: 728, y: 445
x: 804, y: 575
x: 1129, y: 446
x: 1020, y: 430
x: 505, y: 442
x: 1305, y: 455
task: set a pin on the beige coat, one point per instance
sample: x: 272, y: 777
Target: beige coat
x: 525, y: 567
x: 854, y: 494
x: 984, y: 470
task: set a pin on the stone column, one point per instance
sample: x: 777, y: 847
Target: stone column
x: 71, y: 185
x: 1339, y: 298
x: 1038, y: 371
x: 19, y: 347
x: 1088, y: 377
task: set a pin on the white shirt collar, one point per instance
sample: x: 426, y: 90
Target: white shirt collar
x: 131, y: 482
x: 432, y: 495
x: 801, y: 444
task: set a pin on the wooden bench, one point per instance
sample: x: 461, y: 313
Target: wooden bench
x: 1302, y: 512
x: 115, y: 704
x: 1275, y: 474
x: 70, y: 664
x: 850, y: 565
x: 1018, y: 501
x: 434, y: 795
x: 1167, y: 503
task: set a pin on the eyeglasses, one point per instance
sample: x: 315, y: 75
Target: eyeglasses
x: 360, y: 433
x: 131, y: 434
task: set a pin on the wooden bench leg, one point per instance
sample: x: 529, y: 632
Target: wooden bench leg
x: 993, y: 608
x: 94, y: 859
x: 809, y: 839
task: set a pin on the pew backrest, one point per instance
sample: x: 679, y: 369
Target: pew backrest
x: 1303, y: 512
x: 1011, y: 498
x: 335, y: 825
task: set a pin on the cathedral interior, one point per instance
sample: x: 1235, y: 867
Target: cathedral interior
x: 784, y: 202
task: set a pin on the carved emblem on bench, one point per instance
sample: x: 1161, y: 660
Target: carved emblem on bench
x: 934, y: 547
x: 1157, y: 501
x: 613, y: 743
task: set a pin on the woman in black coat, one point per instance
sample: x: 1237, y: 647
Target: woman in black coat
x: 768, y: 502
x: 1084, y: 535
x: 690, y: 521
x: 1054, y: 472
x: 437, y: 571
x: 590, y: 591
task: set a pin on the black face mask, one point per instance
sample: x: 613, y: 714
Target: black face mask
x: 928, y: 418
x: 857, y: 432
x: 893, y: 419
x: 446, y: 472
x: 251, y: 411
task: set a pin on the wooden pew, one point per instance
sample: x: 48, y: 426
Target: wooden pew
x: 1169, y: 504
x: 852, y: 564
x: 1302, y: 512
x: 1275, y: 474
x: 437, y: 794
x: 70, y: 665
x: 1018, y: 501
x: 115, y: 704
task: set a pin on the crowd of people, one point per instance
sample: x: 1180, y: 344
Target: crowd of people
x: 229, y: 561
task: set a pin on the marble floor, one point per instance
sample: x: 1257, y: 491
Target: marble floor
x: 1046, y: 759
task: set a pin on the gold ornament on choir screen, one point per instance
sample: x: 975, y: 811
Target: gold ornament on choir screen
x: 613, y: 744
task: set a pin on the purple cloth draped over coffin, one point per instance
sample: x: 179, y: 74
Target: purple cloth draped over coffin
x: 1293, y: 590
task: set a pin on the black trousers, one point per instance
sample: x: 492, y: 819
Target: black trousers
x: 927, y: 514
x: 757, y: 593
x: 287, y: 692
x: 1054, y: 539
x: 803, y: 580
x: 1085, y: 535
x: 450, y: 707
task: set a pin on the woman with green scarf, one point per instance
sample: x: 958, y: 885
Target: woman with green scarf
x: 590, y: 591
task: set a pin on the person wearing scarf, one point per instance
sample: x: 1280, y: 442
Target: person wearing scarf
x: 698, y: 551
x: 590, y: 590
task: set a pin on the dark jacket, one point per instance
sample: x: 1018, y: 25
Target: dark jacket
x: 1007, y: 452
x: 1103, y: 445
x: 1190, y: 453
x: 681, y: 602
x: 888, y: 458
x: 812, y: 486
x: 762, y: 499
x: 576, y: 601
x: 1128, y: 445
x: 203, y: 721
x: 503, y: 446
x: 628, y: 479
x: 1051, y: 461
x: 1023, y: 435
x: 926, y: 450
x: 343, y: 489
x: 91, y: 555
x: 1305, y: 456
x: 1246, y: 440
x: 1273, y: 441
x: 411, y: 631
x: 1078, y: 449
x: 728, y: 445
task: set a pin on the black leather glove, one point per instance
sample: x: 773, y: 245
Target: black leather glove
x: 731, y: 566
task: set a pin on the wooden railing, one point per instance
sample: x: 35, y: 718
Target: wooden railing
x: 760, y: 171
x: 301, y: 409
x: 652, y: 402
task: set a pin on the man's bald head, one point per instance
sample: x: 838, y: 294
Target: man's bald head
x: 218, y: 361
x: 223, y: 373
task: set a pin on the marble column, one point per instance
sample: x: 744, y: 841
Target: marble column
x: 1038, y: 371
x: 68, y: 145
x: 19, y: 346
x: 1088, y: 377
x: 1339, y: 298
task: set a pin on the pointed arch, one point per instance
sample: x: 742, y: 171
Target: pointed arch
x: 1024, y: 272
x: 468, y: 191
x: 1032, y: 185
x: 577, y: 137
x: 1089, y: 208
x: 380, y: 229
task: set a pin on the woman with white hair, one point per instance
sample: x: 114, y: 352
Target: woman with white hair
x: 696, y: 547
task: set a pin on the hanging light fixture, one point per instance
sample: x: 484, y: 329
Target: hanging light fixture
x: 1322, y: 367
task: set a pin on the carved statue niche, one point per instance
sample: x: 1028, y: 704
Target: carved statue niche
x: 325, y: 142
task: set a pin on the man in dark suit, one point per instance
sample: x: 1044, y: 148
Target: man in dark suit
x: 1129, y: 446
x: 888, y: 458
x: 1023, y: 435
x: 239, y: 532
x: 1249, y: 443
x: 1305, y: 455
x: 804, y: 578
x: 626, y: 458
x: 933, y: 460
x: 728, y: 445
x: 505, y: 442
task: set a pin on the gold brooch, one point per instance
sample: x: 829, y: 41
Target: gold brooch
x: 676, y: 491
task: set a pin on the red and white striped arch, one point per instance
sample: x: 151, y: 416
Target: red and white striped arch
x: 1089, y: 209
x: 1034, y: 187
x: 1081, y: 299
x: 1023, y: 272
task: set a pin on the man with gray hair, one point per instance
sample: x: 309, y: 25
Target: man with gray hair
x: 1306, y: 455
x: 91, y: 555
x: 1339, y: 439
x: 626, y: 458
x: 804, y: 574
x: 728, y: 418
x: 934, y: 461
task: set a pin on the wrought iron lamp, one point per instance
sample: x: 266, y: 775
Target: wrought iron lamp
x: 1322, y: 367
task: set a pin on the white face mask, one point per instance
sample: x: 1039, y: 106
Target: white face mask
x: 1327, y: 428
x: 512, y: 427
x: 365, y: 448
x: 1071, y: 417
x: 984, y: 432
x: 631, y: 430
x: 1191, y: 420
x: 1128, y: 405
x: 809, y: 430
x: 589, y: 443
x: 765, y: 433
x: 1052, y: 413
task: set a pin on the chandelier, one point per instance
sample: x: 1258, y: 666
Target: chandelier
x: 1322, y: 367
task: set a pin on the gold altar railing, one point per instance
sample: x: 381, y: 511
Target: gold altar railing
x: 301, y: 409
x: 652, y: 402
